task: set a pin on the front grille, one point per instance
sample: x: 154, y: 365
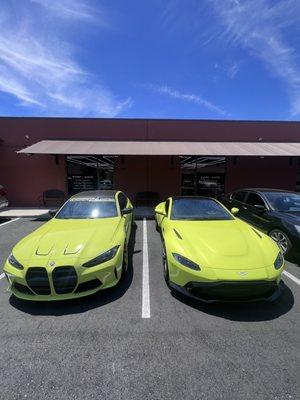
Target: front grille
x: 22, y: 288
x: 37, y: 280
x: 232, y: 290
x: 89, y: 285
x: 64, y: 279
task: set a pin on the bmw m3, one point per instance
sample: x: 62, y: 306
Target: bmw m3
x: 81, y: 250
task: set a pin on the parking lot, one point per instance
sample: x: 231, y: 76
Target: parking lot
x: 137, y: 341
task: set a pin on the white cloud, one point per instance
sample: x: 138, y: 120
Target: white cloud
x: 70, y: 9
x: 192, y: 98
x: 38, y: 68
x: 232, y: 70
x: 258, y: 25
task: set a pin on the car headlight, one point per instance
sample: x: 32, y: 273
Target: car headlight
x: 297, y: 227
x: 14, y: 262
x: 102, y: 258
x: 279, y: 261
x: 186, y: 262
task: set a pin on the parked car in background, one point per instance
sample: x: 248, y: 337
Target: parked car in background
x: 105, y: 184
x: 3, y: 199
x: 207, y: 183
x: 211, y: 255
x: 275, y: 212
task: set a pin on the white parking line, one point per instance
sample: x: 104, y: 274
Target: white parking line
x: 146, y: 288
x: 2, y: 276
x: 8, y: 222
x: 292, y: 277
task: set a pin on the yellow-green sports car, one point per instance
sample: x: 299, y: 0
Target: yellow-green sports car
x: 211, y: 255
x: 81, y: 250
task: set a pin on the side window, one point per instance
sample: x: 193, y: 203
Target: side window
x: 239, y: 196
x: 255, y: 200
x: 167, y: 206
x: 122, y: 199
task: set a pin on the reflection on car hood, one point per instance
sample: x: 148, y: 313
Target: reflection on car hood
x: 292, y: 217
x: 225, y: 244
x: 60, y: 238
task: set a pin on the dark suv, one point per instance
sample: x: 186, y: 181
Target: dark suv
x: 275, y: 212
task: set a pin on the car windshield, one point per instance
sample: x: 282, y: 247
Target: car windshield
x: 199, y: 209
x: 85, y: 209
x: 286, y: 202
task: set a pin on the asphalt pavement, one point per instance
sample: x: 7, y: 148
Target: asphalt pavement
x: 101, y: 348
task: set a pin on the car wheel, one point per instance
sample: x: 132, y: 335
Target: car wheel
x: 281, y: 239
x: 165, y: 266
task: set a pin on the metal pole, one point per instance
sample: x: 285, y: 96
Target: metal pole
x: 97, y: 173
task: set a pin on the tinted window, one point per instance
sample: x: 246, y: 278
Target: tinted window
x: 239, y: 196
x: 84, y: 209
x: 198, y: 209
x: 255, y: 200
x: 280, y: 201
x: 122, y: 201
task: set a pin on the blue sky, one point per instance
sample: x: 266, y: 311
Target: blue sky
x: 213, y: 59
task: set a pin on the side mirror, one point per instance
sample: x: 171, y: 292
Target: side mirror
x: 160, y: 209
x: 52, y: 213
x: 260, y: 208
x: 235, y: 210
x: 126, y: 211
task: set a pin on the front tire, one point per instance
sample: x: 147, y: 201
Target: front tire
x: 281, y: 239
x: 125, y: 262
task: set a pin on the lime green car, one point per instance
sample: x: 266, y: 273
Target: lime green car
x: 211, y: 255
x: 81, y: 250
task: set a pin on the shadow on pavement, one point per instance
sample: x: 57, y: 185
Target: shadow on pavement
x: 80, y: 305
x: 4, y: 219
x: 247, y: 312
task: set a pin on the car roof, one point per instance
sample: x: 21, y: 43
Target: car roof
x: 262, y: 190
x: 96, y: 194
x: 192, y: 197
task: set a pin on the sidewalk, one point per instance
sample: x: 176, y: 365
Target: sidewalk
x: 17, y: 212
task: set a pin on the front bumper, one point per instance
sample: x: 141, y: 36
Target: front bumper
x: 231, y: 291
x: 63, y: 282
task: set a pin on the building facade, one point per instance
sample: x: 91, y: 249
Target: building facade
x: 140, y: 156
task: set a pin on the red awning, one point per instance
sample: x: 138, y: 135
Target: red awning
x: 89, y: 147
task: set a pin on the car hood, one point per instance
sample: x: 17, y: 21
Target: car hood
x: 58, y: 239
x: 224, y: 244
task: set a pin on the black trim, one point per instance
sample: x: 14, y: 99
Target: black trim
x: 64, y: 279
x: 89, y: 285
x: 38, y: 281
x: 272, y: 292
x: 22, y: 289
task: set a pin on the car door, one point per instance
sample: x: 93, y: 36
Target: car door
x: 257, y: 211
x: 165, y: 218
x: 124, y: 203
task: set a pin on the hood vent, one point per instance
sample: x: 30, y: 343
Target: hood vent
x: 177, y: 234
x: 258, y: 234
